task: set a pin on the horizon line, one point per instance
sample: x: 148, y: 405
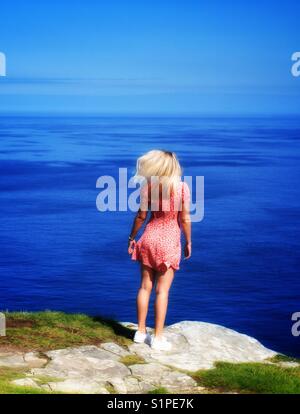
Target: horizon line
x: 146, y: 114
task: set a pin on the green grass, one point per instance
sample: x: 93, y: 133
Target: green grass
x: 6, y: 387
x: 132, y: 360
x: 251, y: 378
x: 45, y: 379
x: 160, y: 390
x: 283, y: 358
x: 40, y: 331
x: 43, y: 331
x: 111, y: 389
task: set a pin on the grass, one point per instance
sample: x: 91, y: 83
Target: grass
x: 40, y: 331
x: 6, y: 387
x: 110, y: 388
x: 283, y: 358
x: 160, y: 390
x: 43, y: 331
x: 45, y: 379
x: 251, y: 378
x: 132, y: 360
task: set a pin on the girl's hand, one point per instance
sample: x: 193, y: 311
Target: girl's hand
x: 131, y: 245
x: 188, y: 250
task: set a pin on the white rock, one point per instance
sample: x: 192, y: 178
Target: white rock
x: 115, y: 349
x: 79, y: 385
x: 151, y: 371
x: 119, y: 385
x: 132, y: 385
x: 177, y: 381
x: 91, y: 369
x: 84, y: 367
x: 198, y: 345
x: 25, y: 382
x: 155, y: 375
x: 87, y: 362
x: 34, y: 360
x: 13, y: 361
x: 146, y: 386
x: 83, y: 351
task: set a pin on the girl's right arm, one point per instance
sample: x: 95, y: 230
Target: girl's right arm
x: 185, y: 221
x: 139, y: 219
x: 137, y: 224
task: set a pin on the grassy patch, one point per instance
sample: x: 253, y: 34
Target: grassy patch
x: 159, y: 390
x: 110, y: 388
x: 283, y: 358
x: 251, y: 378
x: 6, y: 387
x: 44, y: 379
x: 39, y: 331
x: 132, y: 360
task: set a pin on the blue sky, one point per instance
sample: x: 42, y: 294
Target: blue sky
x: 160, y: 57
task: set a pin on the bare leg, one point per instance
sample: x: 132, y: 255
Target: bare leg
x: 142, y: 301
x: 163, y: 284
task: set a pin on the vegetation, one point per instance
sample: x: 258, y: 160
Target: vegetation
x: 40, y: 331
x: 111, y: 389
x: 160, y: 390
x: 7, y: 375
x: 283, y: 358
x: 251, y: 378
x: 43, y: 331
x: 132, y: 359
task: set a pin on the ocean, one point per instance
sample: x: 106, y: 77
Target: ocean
x: 59, y: 252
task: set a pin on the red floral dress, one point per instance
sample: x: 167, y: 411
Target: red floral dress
x: 159, y: 246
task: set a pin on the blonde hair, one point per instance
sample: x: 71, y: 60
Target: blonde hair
x: 161, y: 164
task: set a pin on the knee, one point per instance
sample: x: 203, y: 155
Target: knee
x: 147, y: 288
x: 160, y: 290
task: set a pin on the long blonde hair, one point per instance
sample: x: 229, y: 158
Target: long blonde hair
x: 161, y: 164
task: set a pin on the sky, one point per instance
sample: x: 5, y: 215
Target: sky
x: 157, y: 57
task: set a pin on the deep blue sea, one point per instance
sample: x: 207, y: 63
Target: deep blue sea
x: 59, y: 252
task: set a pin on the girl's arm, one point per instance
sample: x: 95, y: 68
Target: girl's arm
x: 137, y: 224
x: 185, y: 222
x: 140, y: 216
x: 186, y: 226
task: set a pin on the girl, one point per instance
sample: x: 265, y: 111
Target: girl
x: 159, y: 249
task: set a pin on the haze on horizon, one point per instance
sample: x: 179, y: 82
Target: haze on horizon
x: 171, y: 57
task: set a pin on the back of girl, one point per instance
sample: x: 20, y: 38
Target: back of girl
x: 165, y: 199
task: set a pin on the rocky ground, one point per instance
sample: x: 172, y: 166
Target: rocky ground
x: 136, y: 368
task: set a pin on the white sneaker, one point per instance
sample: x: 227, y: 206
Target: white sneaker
x: 141, y: 337
x: 160, y: 344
